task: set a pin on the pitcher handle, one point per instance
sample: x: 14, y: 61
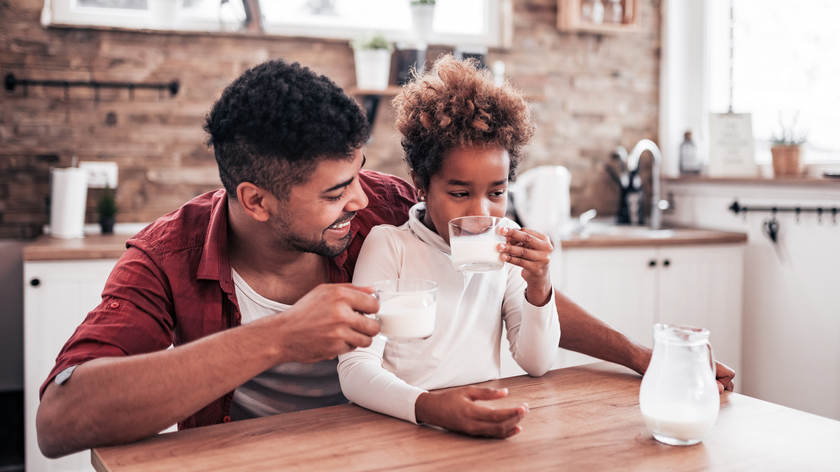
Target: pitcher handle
x: 712, y: 359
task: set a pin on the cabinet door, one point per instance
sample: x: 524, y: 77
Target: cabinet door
x: 617, y: 285
x: 57, y: 297
x: 702, y: 286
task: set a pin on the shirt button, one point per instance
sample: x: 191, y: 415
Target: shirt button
x: 226, y: 419
x: 114, y: 305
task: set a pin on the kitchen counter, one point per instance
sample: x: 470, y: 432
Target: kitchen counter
x: 631, y: 236
x: 98, y: 246
x: 113, y: 246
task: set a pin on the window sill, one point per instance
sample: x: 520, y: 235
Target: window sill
x: 805, y: 180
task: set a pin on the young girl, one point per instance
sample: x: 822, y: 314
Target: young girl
x: 463, y: 138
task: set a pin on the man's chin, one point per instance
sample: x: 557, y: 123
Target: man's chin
x: 335, y: 249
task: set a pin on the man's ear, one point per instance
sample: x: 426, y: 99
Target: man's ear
x: 254, y: 200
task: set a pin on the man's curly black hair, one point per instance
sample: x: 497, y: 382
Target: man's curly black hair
x: 275, y: 122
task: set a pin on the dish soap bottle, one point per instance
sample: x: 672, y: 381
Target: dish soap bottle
x: 690, y: 162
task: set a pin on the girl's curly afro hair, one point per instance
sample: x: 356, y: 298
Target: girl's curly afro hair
x: 457, y: 104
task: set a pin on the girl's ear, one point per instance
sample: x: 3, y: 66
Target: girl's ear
x: 421, y: 192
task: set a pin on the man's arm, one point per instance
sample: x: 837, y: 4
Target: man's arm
x: 587, y: 334
x: 112, y: 401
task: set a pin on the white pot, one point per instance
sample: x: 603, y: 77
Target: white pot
x: 163, y: 12
x: 373, y: 68
x: 422, y: 16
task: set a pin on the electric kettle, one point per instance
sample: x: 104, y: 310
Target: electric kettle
x: 541, y: 200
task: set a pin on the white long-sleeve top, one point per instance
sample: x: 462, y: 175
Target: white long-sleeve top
x: 464, y: 347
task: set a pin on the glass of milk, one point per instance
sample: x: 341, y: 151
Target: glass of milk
x: 679, y: 397
x: 474, y: 241
x: 407, y: 308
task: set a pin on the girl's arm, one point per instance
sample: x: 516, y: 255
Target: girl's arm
x: 533, y: 328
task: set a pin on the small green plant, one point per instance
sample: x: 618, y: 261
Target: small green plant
x: 422, y: 2
x: 107, y: 204
x: 789, y: 136
x: 372, y: 41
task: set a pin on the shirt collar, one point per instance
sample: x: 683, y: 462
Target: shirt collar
x: 215, y: 263
x: 420, y: 231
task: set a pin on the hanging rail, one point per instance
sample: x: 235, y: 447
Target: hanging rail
x: 11, y: 82
x: 820, y: 211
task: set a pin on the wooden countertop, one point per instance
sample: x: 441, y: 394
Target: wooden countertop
x: 665, y: 237
x: 98, y: 246
x: 581, y: 418
x: 113, y: 246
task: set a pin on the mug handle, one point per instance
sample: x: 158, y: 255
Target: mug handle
x: 375, y: 317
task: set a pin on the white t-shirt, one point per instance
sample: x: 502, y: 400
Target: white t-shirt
x: 464, y: 347
x: 287, y: 387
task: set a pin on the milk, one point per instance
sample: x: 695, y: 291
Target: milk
x: 408, y: 317
x: 476, y: 253
x: 686, y: 424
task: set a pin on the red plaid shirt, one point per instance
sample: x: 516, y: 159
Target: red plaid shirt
x: 173, y: 285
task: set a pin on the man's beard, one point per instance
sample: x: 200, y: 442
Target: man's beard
x: 289, y: 240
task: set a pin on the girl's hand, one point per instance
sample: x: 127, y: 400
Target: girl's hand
x: 530, y: 250
x: 459, y: 409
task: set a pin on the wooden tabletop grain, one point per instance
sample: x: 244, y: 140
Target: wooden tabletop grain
x: 583, y: 418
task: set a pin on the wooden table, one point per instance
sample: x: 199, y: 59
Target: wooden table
x: 581, y: 418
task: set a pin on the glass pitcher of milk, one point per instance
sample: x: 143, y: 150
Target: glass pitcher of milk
x: 679, y: 397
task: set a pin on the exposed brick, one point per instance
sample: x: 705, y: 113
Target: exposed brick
x: 594, y: 92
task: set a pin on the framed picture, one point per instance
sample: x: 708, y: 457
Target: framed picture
x: 731, y: 146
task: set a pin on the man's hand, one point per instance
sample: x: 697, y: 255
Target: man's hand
x: 724, y: 376
x: 530, y: 250
x: 326, y: 322
x: 457, y: 410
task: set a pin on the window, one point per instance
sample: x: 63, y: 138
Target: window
x: 786, y: 65
x: 456, y: 22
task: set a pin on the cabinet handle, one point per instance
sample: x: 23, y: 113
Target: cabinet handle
x: 35, y: 282
x: 652, y: 263
x: 666, y: 262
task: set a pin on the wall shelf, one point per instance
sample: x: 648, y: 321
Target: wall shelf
x: 569, y: 18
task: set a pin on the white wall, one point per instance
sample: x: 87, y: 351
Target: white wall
x: 11, y: 315
x: 791, y: 340
x: 683, y: 88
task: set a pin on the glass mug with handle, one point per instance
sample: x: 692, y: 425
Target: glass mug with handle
x: 407, y: 308
x: 474, y: 240
x: 679, y: 397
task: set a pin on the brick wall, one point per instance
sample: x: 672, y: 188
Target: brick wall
x: 596, y: 92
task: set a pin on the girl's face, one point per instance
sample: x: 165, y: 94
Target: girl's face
x: 472, y: 181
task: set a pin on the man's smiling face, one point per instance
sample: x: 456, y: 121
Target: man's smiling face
x: 316, y: 216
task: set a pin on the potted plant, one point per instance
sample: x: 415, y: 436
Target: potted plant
x: 422, y: 15
x: 372, y: 54
x: 787, y: 149
x: 106, y: 206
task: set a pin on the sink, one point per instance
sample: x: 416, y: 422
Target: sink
x: 610, y: 229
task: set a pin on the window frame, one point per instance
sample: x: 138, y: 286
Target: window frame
x: 66, y: 13
x: 689, y: 58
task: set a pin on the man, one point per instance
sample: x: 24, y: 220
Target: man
x: 249, y: 283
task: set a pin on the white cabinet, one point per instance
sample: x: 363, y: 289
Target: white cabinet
x: 57, y: 297
x: 631, y: 288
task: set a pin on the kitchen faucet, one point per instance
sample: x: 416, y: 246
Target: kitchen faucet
x: 633, y: 164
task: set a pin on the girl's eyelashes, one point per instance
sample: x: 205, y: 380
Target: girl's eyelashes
x: 495, y: 194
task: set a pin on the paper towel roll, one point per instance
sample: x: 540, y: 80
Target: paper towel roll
x: 68, y: 197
